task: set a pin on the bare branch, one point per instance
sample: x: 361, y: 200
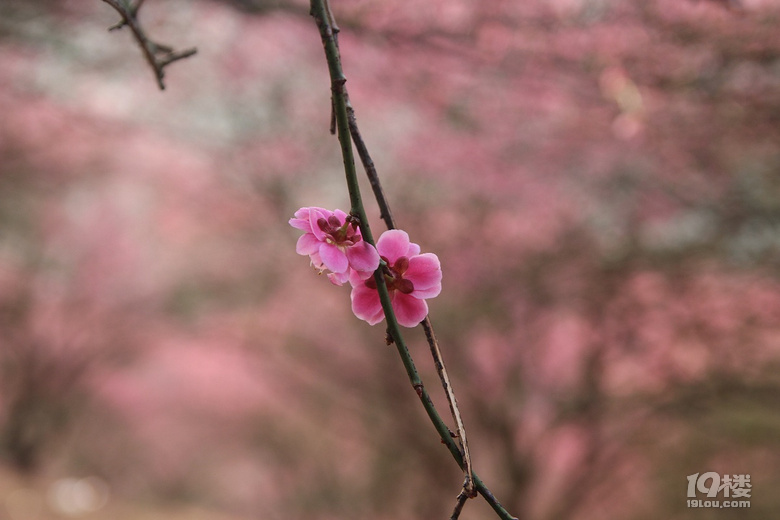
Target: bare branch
x: 157, y: 55
x: 463, y: 496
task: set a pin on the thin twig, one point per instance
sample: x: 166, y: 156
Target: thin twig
x: 454, y: 410
x: 438, y: 359
x: 368, y: 165
x: 463, y: 496
x: 157, y: 55
x: 320, y: 10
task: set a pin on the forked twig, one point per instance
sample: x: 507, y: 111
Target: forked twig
x: 157, y: 55
x: 460, y: 502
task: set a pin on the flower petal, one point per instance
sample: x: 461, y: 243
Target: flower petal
x: 359, y: 277
x: 363, y: 257
x: 366, y: 304
x: 333, y: 258
x: 316, y: 261
x: 393, y: 244
x: 307, y: 244
x: 303, y: 213
x: 409, y: 311
x: 314, y: 215
x: 302, y: 224
x: 301, y: 220
x: 340, y: 215
x: 338, y: 278
x: 425, y: 273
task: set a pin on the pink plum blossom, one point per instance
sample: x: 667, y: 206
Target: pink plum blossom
x: 410, y: 277
x: 334, y: 243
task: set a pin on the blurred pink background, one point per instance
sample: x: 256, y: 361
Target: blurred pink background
x: 598, y: 178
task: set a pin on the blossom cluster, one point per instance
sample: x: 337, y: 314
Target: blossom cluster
x: 333, y: 242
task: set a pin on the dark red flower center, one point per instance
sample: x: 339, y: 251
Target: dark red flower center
x: 394, y: 276
x: 338, y: 233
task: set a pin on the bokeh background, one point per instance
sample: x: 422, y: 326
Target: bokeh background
x: 600, y: 179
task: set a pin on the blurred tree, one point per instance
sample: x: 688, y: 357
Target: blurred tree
x: 598, y: 178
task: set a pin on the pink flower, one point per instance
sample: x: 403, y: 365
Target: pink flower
x: 333, y: 243
x: 410, y: 277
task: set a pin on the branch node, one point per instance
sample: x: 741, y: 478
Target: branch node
x: 156, y: 54
x: 117, y: 26
x: 460, y: 502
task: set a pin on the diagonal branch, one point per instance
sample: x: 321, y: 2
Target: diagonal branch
x: 438, y: 360
x: 157, y: 55
x: 371, y: 173
x: 346, y: 127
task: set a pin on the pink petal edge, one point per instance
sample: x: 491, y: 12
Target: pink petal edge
x: 333, y: 258
x: 363, y: 257
x: 409, y: 311
x: 393, y: 244
x: 366, y: 304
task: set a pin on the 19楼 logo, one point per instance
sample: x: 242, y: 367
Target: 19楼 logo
x: 712, y: 484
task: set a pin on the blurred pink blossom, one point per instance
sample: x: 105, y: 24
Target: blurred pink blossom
x: 333, y: 243
x: 411, y: 277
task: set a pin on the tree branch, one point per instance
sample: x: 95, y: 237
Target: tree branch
x: 157, y: 55
x: 460, y: 502
x: 438, y: 360
x: 368, y: 165
x: 347, y: 127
